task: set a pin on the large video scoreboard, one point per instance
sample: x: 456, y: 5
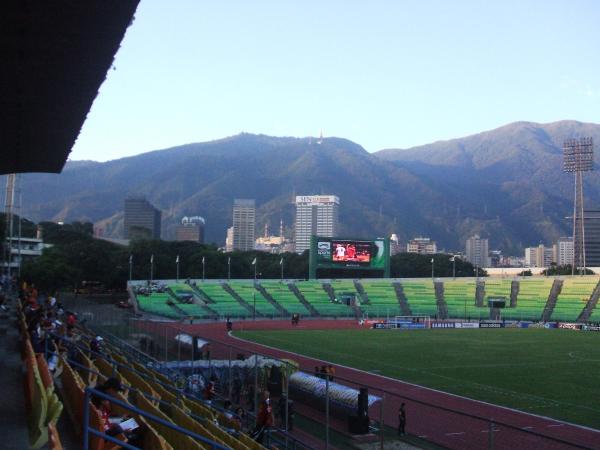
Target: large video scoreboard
x: 343, y: 253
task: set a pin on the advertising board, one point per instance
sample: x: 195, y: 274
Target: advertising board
x: 569, y: 326
x: 491, y: 324
x: 466, y: 325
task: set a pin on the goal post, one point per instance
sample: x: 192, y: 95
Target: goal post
x: 413, y: 321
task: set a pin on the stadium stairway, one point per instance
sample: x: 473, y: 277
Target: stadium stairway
x: 330, y: 292
x: 585, y: 314
x: 13, y: 420
x: 240, y: 300
x: 479, y: 294
x: 203, y: 295
x: 182, y: 288
x: 441, y: 302
x: 402, y: 301
x: 268, y: 297
x: 552, y: 298
x: 302, y: 299
x: 364, y: 297
x: 514, y: 293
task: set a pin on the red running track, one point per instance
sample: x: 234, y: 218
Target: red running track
x: 433, y: 415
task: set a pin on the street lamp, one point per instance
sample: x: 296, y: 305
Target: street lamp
x: 432, y: 268
x: 453, y: 259
x: 152, y: 267
x: 130, y: 267
x: 177, y: 263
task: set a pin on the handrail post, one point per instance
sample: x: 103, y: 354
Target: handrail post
x: 230, y: 376
x: 326, y: 412
x: 381, y: 420
x: 491, y: 435
x: 86, y: 420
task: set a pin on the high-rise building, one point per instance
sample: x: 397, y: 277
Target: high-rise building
x: 229, y: 240
x: 244, y: 222
x: 477, y: 251
x: 541, y: 256
x: 142, y: 219
x: 315, y: 215
x: 190, y: 229
x: 395, y: 246
x: 592, y: 237
x: 421, y: 245
x: 565, y: 251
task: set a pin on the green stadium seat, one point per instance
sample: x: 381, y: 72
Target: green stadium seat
x: 224, y: 304
x: 315, y: 294
x: 573, y: 297
x: 531, y: 300
x: 460, y: 298
x: 286, y: 298
x: 253, y: 296
x: 382, y: 299
x: 421, y: 297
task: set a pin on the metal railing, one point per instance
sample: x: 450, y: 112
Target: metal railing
x: 87, y: 430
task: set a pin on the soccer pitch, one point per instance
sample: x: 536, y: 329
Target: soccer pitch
x: 553, y: 373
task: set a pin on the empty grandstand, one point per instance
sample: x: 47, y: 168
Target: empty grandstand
x: 460, y: 299
x: 314, y: 293
x: 286, y: 298
x: 573, y: 297
x: 382, y: 299
x: 532, y: 298
x: 420, y: 295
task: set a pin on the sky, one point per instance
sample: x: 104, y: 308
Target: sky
x: 384, y: 74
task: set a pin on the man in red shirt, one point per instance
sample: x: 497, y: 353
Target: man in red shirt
x: 264, y: 418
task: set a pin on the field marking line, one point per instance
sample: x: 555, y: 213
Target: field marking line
x: 507, y: 408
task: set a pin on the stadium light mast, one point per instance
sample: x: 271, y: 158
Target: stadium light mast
x: 9, y: 200
x: 578, y: 157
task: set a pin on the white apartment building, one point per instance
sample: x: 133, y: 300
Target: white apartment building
x: 315, y: 215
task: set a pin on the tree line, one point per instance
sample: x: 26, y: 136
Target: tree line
x: 76, y: 256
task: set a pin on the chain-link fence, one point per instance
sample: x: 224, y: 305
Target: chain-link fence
x: 323, y: 404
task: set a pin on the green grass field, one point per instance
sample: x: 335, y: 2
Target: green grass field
x: 549, y: 372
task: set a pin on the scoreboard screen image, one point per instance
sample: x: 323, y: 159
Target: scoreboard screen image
x: 351, y: 252
x: 348, y: 253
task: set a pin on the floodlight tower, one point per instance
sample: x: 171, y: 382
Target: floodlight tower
x: 9, y: 204
x: 578, y: 157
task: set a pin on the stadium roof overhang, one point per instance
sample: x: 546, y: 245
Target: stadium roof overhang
x: 55, y: 56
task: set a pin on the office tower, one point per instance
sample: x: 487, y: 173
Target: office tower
x: 229, y: 240
x: 541, y: 256
x: 565, y: 251
x: 315, y: 215
x: 421, y: 245
x: 477, y: 251
x: 592, y: 237
x: 190, y: 229
x: 142, y: 220
x: 244, y: 220
x: 395, y: 246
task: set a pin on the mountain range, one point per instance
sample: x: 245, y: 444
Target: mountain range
x: 506, y: 184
